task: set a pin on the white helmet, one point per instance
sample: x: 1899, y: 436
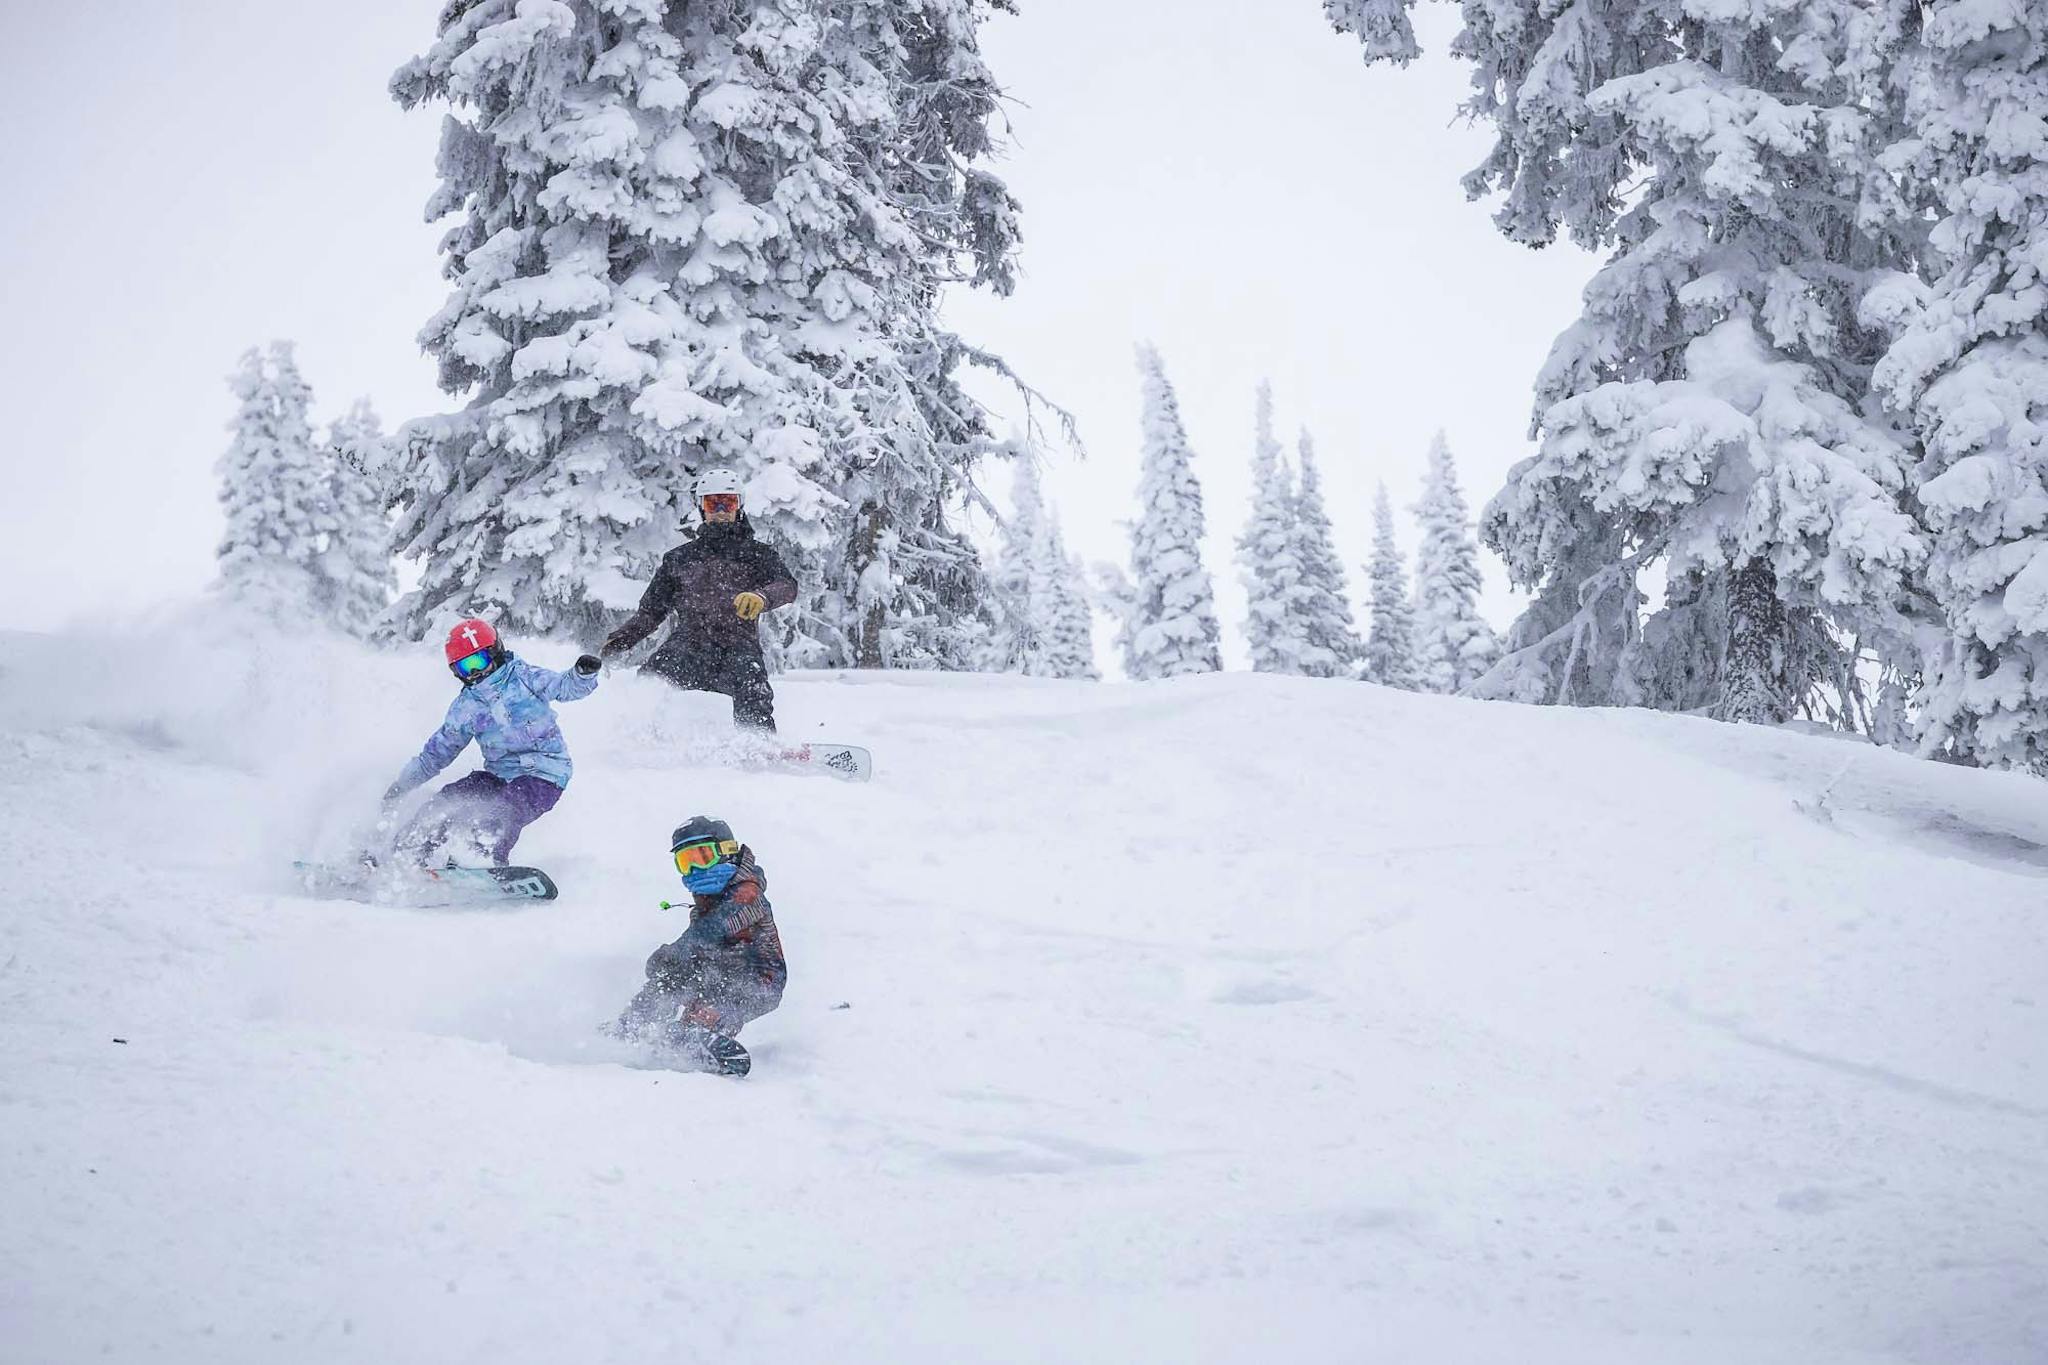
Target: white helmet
x: 720, y: 480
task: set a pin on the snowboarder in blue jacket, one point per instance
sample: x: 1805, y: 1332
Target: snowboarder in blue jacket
x: 506, y: 707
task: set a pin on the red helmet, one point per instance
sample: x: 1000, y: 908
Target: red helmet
x: 468, y: 637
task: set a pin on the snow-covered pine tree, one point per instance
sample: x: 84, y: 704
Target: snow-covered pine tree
x: 1169, y: 622
x: 1043, y: 623
x: 1453, y: 644
x: 1706, y: 411
x: 1382, y: 25
x: 1390, y: 643
x: 359, y: 580
x: 1015, y: 602
x: 1969, y: 370
x: 1333, y: 647
x: 275, y: 490
x: 1268, y: 557
x: 708, y: 234
x: 1067, y: 648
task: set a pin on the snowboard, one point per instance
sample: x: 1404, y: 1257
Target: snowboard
x: 426, y: 886
x: 685, y: 1047
x: 847, y: 761
x: 702, y: 1050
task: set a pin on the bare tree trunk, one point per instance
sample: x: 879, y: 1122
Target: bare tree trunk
x: 867, y: 542
x: 1755, y: 686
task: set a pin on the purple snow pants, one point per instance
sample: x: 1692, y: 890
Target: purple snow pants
x: 481, y: 812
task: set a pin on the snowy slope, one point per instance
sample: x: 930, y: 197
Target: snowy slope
x: 1232, y: 1018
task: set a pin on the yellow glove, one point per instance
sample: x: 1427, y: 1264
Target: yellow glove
x: 749, y: 605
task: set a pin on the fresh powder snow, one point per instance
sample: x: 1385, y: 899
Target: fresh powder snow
x: 1225, y: 1017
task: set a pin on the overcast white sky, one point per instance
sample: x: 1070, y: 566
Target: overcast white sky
x: 186, y: 180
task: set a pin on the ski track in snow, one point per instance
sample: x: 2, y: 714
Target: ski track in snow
x: 1234, y: 1018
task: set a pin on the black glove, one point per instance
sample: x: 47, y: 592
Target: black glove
x: 588, y: 664
x: 392, y: 794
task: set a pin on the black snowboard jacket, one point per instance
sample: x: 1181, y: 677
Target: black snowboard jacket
x: 696, y: 584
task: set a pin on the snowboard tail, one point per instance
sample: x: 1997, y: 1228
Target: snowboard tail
x: 848, y: 762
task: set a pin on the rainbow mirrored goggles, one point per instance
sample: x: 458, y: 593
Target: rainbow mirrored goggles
x: 474, y: 665
x: 709, y: 853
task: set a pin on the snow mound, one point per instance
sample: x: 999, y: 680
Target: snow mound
x: 1224, y: 1018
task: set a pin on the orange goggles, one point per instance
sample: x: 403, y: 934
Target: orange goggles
x: 708, y: 854
x: 720, y: 502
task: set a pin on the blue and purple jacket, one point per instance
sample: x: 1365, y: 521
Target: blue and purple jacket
x: 510, y: 716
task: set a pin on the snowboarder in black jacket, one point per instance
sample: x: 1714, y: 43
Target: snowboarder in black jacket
x: 716, y: 586
x: 726, y: 969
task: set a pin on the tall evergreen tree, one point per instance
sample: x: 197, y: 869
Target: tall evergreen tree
x: 275, y: 490
x: 1044, y: 626
x: 1705, y: 413
x: 1453, y: 644
x: 1277, y: 595
x: 1390, y: 646
x: 1969, y: 371
x: 1333, y: 649
x: 1067, y: 647
x: 360, y: 581
x: 708, y: 234
x: 1169, y: 623
x: 1016, y: 590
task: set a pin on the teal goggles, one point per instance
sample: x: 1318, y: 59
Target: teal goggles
x: 475, y: 665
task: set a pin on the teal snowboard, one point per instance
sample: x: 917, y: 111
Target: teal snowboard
x: 426, y: 886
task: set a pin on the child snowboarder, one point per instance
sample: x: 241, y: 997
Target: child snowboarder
x: 726, y: 969
x: 505, y: 707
